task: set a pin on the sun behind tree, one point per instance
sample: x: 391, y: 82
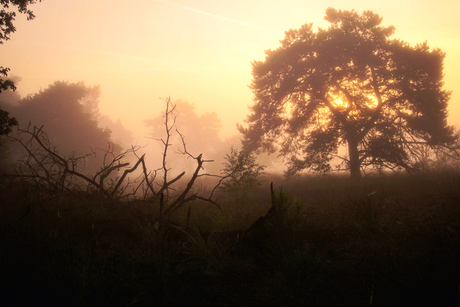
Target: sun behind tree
x: 348, y: 85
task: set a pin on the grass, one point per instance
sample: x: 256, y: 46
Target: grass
x: 382, y: 241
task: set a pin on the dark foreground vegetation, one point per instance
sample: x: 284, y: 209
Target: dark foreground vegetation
x: 114, y: 238
x: 325, y: 241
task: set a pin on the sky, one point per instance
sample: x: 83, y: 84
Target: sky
x: 199, y: 51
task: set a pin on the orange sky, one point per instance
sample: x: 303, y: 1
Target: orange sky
x: 195, y: 50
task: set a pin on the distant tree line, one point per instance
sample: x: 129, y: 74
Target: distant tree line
x: 68, y: 113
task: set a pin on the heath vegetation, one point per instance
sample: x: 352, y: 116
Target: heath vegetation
x: 84, y: 222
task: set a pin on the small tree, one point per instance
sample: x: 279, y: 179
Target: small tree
x: 348, y: 85
x: 241, y: 170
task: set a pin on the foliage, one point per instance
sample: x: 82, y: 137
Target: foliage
x: 6, y: 29
x: 7, y: 17
x: 69, y: 113
x: 348, y: 85
x: 382, y: 241
x: 242, y: 171
x: 240, y: 185
x: 6, y: 123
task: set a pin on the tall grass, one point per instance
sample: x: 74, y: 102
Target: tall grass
x: 382, y: 241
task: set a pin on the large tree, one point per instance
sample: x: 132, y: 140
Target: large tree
x: 349, y: 84
x: 69, y: 114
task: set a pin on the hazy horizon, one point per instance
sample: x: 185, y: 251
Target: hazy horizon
x: 194, y: 51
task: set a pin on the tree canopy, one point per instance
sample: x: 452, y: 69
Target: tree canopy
x: 348, y: 85
x: 69, y: 114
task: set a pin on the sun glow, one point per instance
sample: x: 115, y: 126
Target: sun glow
x: 199, y: 51
x: 340, y: 103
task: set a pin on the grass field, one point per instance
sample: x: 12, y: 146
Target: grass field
x: 329, y: 241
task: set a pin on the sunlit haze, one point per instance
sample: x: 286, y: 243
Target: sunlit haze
x: 199, y: 51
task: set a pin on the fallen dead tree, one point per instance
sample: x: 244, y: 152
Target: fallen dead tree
x: 54, y: 173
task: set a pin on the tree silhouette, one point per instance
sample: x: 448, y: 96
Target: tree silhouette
x: 6, y: 123
x: 7, y: 17
x: 201, y: 135
x: 69, y: 114
x: 349, y: 85
x: 6, y: 29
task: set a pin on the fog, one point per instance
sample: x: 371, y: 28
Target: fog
x: 70, y: 116
x: 126, y: 113
x: 199, y: 53
x: 194, y: 51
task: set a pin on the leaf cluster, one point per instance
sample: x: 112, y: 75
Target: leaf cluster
x: 6, y: 123
x: 7, y: 18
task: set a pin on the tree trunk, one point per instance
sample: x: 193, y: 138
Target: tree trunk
x: 355, y: 164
